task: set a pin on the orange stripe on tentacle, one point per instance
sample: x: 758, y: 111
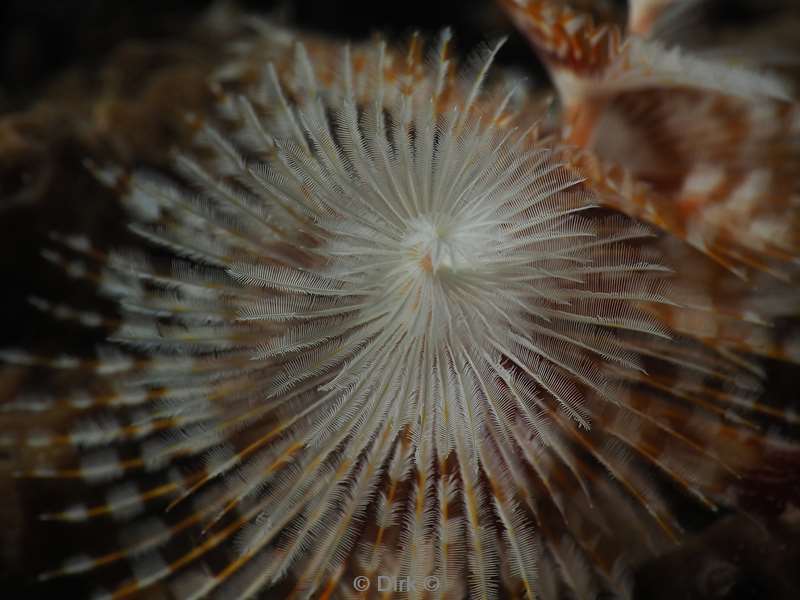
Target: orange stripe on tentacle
x: 643, y: 15
x: 730, y: 244
x: 692, y: 201
x: 333, y: 581
x: 394, y: 485
x: 196, y: 552
x: 140, y: 547
x: 616, y: 188
x: 260, y: 442
x: 212, y: 542
x: 564, y: 37
x: 670, y: 528
x: 78, y: 472
x: 667, y: 414
x: 284, y: 459
x: 239, y: 562
x: 652, y: 454
x: 101, y: 510
x: 580, y: 121
x: 666, y: 384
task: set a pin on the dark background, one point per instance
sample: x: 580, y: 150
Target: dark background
x: 40, y: 38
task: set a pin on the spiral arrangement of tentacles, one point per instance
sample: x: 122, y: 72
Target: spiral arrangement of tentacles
x: 389, y: 325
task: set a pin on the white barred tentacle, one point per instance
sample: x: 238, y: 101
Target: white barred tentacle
x: 399, y: 328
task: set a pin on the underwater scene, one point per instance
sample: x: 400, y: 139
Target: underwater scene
x: 476, y: 299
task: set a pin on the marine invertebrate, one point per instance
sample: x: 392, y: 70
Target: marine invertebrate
x: 721, y: 169
x: 401, y: 338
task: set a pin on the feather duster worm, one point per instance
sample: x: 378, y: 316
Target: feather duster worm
x: 710, y: 148
x: 388, y: 332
